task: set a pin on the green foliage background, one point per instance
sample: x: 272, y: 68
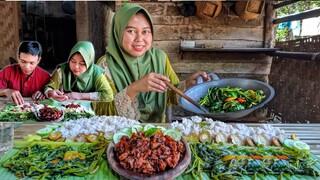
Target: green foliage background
x: 294, y: 8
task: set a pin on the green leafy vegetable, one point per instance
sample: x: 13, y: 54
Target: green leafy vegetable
x: 219, y: 100
x: 234, y: 162
x: 51, y: 161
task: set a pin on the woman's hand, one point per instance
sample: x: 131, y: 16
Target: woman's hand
x: 74, y: 95
x: 151, y: 82
x: 38, y: 96
x: 192, y: 80
x: 14, y: 96
x: 57, y: 95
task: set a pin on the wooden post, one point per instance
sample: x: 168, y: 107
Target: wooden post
x: 269, y: 36
x: 82, y: 21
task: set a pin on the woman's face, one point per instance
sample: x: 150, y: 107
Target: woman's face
x: 77, y: 64
x: 137, y: 37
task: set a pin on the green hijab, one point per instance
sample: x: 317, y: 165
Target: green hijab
x: 125, y: 69
x: 84, y: 82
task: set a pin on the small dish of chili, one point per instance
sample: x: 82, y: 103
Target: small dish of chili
x: 49, y: 113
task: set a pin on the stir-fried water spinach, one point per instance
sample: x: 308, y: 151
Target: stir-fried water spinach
x: 56, y: 161
x: 214, y: 161
x: 227, y: 99
x: 7, y: 116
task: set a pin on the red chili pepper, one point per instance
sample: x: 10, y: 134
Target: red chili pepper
x: 256, y: 157
x: 240, y: 100
x: 283, y: 157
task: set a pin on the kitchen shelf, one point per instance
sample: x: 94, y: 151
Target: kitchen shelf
x: 228, y: 50
x: 236, y: 50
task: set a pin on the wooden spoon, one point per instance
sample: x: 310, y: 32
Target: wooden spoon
x: 186, y: 97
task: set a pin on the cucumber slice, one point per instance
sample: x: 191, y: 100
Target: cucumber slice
x: 288, y: 143
x: 45, y: 131
x: 136, y: 128
x: 127, y: 130
x: 163, y: 129
x: 148, y: 126
x: 301, y: 146
x: 54, y: 126
x: 31, y: 137
x: 174, y: 133
x: 296, y: 145
x: 117, y: 136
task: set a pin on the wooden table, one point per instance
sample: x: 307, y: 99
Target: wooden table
x: 308, y: 133
x: 4, y: 101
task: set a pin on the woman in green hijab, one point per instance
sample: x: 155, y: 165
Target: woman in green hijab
x: 137, y: 70
x: 79, y: 78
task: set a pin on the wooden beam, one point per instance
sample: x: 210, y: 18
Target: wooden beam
x: 300, y: 16
x: 284, y: 3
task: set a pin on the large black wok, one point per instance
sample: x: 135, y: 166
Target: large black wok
x: 198, y: 91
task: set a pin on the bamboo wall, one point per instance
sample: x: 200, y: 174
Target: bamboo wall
x: 9, y: 31
x: 297, y: 83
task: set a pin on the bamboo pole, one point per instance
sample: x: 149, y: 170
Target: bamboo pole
x: 284, y: 3
x: 311, y: 56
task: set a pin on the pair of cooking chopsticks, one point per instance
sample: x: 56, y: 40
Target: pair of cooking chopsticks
x: 186, y: 97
